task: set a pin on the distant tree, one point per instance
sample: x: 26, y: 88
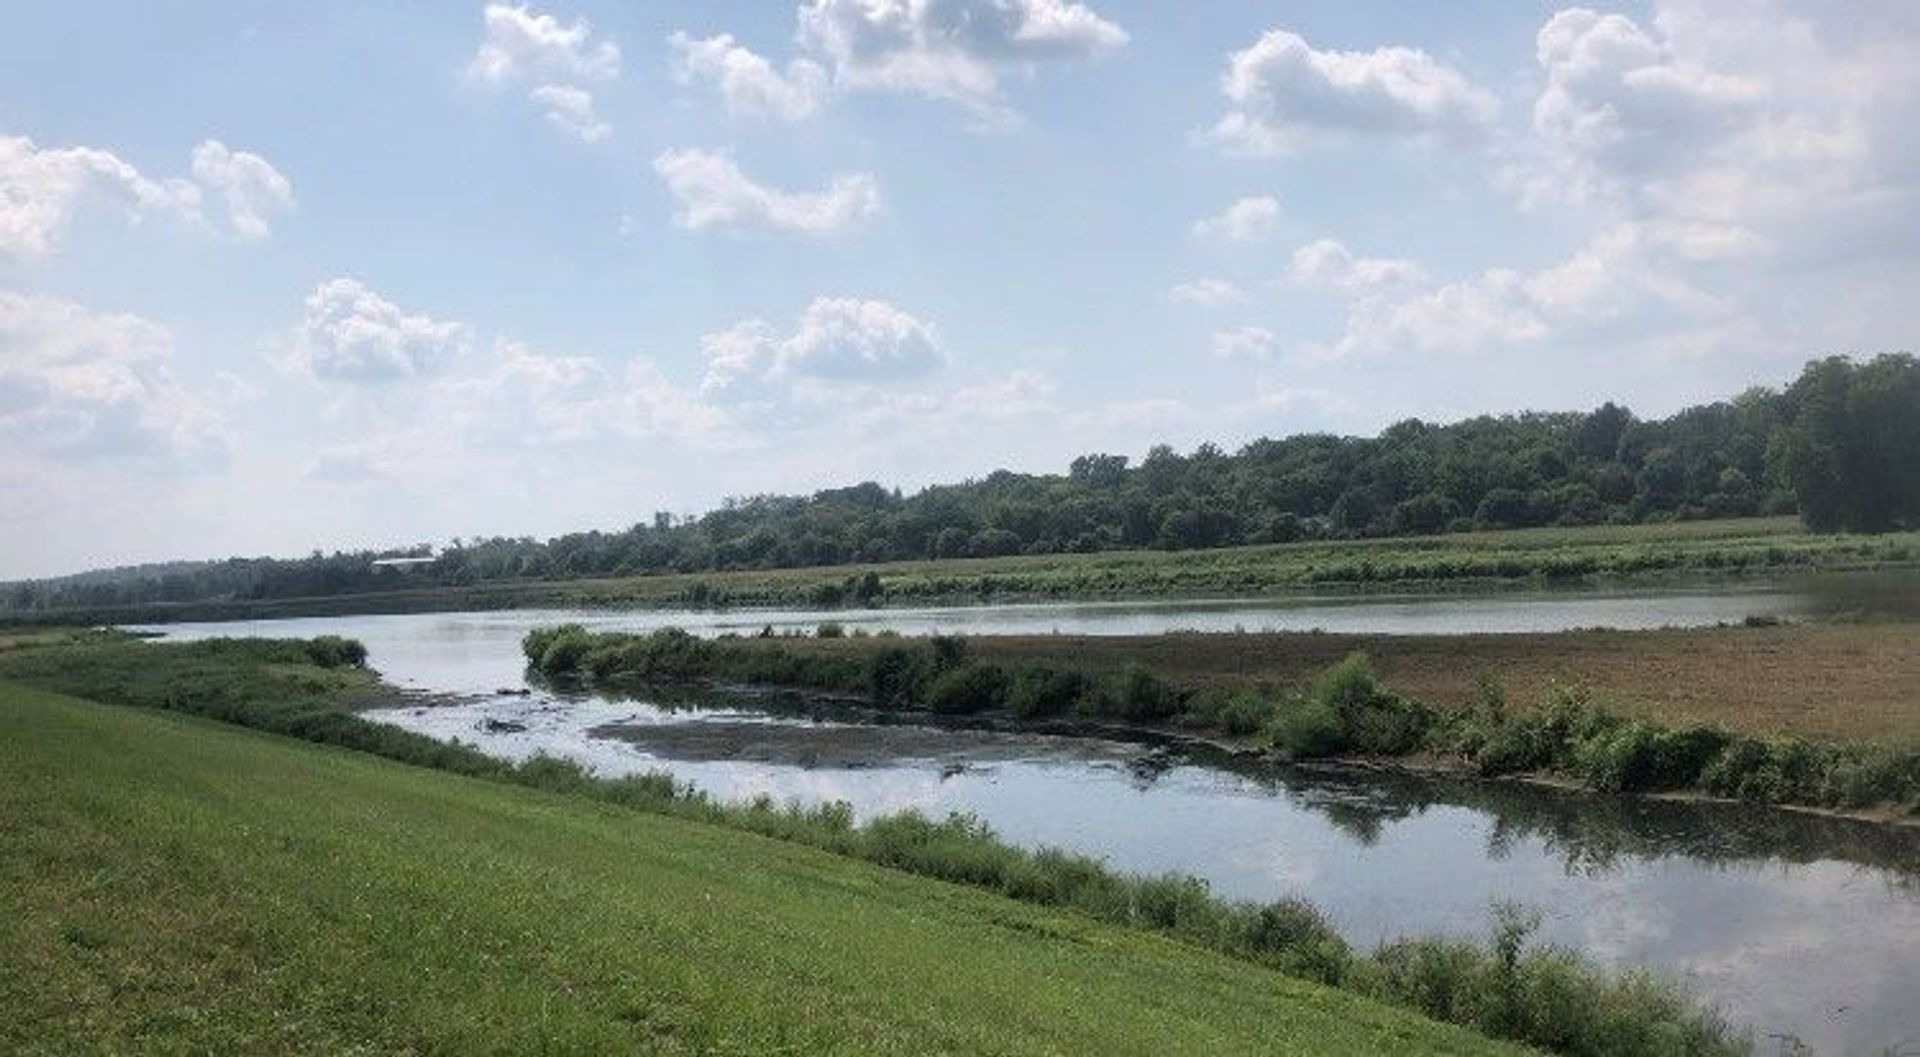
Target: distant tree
x: 1852, y: 453
x: 1503, y: 508
x: 1597, y: 437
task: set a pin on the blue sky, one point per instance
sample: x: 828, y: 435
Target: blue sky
x: 278, y: 277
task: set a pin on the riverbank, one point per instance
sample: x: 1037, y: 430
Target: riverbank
x: 177, y: 885
x: 1617, y: 556
x: 1546, y: 996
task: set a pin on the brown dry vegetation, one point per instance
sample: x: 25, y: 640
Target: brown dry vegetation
x: 1831, y: 681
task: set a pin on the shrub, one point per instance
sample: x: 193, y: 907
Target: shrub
x: 830, y: 629
x: 1643, y: 756
x: 1136, y: 693
x: 333, y: 651
x: 968, y: 688
x: 895, y: 675
x: 1044, y: 691
x: 1348, y: 710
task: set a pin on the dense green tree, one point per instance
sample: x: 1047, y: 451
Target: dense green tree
x: 1852, y: 452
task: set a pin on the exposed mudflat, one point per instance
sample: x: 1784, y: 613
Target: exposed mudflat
x: 848, y: 747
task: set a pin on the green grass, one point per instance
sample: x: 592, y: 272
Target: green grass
x: 170, y: 885
x: 1598, y: 553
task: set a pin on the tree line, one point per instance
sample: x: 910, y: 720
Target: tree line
x: 1840, y: 447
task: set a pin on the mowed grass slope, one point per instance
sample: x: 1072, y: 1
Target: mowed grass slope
x: 171, y: 885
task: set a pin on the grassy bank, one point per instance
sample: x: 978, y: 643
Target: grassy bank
x: 172, y: 886
x: 1344, y: 711
x: 1600, y: 554
x: 1541, y: 995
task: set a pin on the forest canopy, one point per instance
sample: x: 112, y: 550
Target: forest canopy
x: 1840, y: 446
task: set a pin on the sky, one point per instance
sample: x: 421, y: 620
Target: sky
x: 276, y: 278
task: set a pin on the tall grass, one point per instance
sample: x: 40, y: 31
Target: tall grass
x: 1539, y: 995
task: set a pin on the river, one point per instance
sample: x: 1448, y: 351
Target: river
x: 1791, y: 924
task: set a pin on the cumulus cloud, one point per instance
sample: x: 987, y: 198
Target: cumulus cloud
x: 713, y: 192
x: 1206, y: 292
x: 1327, y: 263
x: 837, y: 339
x: 1246, y: 220
x: 43, y: 188
x: 1244, y: 343
x: 1626, y: 272
x: 748, y: 84
x: 1757, y: 133
x: 523, y: 397
x: 954, y: 50
x: 571, y: 108
x: 522, y: 43
x: 80, y: 384
x: 247, y: 185
x: 1282, y: 92
x: 352, y: 335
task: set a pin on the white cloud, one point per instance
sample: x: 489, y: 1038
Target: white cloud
x: 955, y: 50
x: 526, y: 398
x: 522, y: 43
x: 837, y: 339
x: 747, y: 83
x: 1206, y: 292
x: 247, y: 184
x: 75, y: 383
x: 1625, y: 274
x: 713, y: 192
x: 351, y: 334
x: 40, y: 188
x: 513, y: 399
x: 1246, y: 220
x: 1282, y: 92
x: 1244, y: 343
x: 1327, y: 263
x: 571, y: 108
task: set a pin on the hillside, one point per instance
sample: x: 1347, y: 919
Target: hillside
x: 171, y: 885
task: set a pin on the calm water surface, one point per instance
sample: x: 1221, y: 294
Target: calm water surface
x: 1792, y: 924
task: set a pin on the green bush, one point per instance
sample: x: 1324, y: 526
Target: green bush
x: 1349, y: 711
x: 1136, y: 693
x: 1044, y: 691
x: 968, y: 688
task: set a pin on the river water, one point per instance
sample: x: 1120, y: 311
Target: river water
x: 1792, y: 924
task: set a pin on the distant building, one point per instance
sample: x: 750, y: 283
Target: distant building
x: 402, y: 563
